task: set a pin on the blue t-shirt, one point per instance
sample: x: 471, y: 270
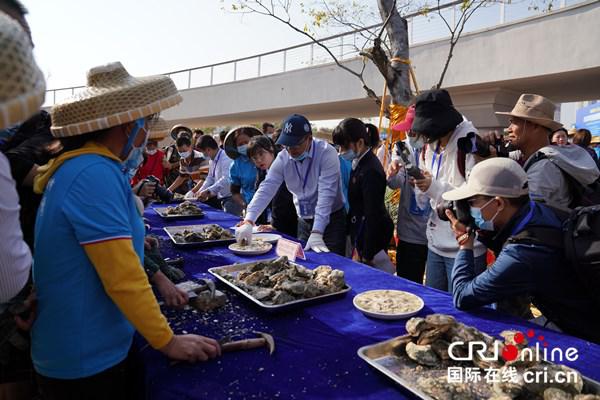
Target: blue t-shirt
x: 79, y: 331
x: 242, y: 172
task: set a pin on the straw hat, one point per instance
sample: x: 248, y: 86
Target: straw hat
x: 229, y: 144
x: 158, y: 128
x: 177, y: 129
x: 22, y: 85
x: 535, y: 108
x: 112, y: 98
x: 595, y: 139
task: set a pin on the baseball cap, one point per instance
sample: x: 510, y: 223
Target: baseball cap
x: 497, y: 176
x: 293, y: 130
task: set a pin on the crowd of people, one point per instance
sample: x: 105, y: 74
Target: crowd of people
x: 480, y: 216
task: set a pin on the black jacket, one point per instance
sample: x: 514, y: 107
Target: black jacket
x: 371, y: 227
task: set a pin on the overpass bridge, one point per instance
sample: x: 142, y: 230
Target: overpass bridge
x: 550, y: 53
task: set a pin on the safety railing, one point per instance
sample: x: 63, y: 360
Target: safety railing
x: 422, y: 27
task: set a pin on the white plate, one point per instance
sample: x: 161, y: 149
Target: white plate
x: 254, y: 229
x: 267, y: 237
x: 250, y: 252
x: 398, y: 297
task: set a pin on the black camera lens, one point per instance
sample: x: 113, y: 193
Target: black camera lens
x: 459, y: 208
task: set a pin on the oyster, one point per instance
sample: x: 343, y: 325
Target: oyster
x: 553, y: 372
x: 204, y: 233
x: 440, y: 347
x: 416, y: 325
x: 423, y: 355
x: 586, y: 397
x: 556, y: 394
x: 438, y: 388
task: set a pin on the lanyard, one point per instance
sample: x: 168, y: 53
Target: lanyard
x: 312, y: 157
x: 216, y: 163
x: 416, y: 157
x: 439, y: 160
x: 525, y: 220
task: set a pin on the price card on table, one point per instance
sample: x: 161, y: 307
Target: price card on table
x: 290, y: 249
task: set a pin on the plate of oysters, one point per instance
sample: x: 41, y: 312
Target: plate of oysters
x: 420, y: 361
x: 185, y: 210
x: 255, y: 248
x: 199, y: 235
x: 388, y: 304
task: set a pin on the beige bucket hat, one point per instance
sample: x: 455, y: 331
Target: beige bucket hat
x: 158, y: 129
x: 22, y: 84
x: 496, y: 176
x: 112, y: 97
x: 535, y: 108
x: 229, y: 143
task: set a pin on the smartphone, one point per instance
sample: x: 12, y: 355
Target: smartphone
x: 415, y: 172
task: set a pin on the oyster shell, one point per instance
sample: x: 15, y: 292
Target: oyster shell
x: 416, y: 325
x: 556, y: 394
x: 423, y: 355
x: 185, y: 208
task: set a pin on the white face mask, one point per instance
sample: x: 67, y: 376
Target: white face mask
x: 151, y: 152
x: 185, y: 154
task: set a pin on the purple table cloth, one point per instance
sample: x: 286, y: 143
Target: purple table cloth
x: 316, y: 346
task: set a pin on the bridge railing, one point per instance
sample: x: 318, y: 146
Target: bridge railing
x: 421, y: 28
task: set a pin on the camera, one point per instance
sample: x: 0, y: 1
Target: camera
x: 460, y: 208
x: 474, y: 144
x: 160, y: 192
x: 404, y: 153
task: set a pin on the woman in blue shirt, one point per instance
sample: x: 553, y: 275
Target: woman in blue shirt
x: 242, y: 172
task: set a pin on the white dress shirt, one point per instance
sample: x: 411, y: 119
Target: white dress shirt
x: 217, y: 180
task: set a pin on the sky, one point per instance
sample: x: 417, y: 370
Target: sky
x: 148, y: 37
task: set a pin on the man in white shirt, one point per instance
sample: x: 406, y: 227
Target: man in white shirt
x: 311, y: 171
x: 215, y: 191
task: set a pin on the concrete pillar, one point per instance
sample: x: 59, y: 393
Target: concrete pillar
x: 479, y: 106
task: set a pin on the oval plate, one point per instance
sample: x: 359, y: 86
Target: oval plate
x: 235, y: 249
x: 267, y: 237
x: 382, y: 298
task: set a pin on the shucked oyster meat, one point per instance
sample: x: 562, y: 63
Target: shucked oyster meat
x: 279, y: 282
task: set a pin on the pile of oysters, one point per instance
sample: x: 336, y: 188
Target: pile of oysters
x: 185, y: 208
x: 427, y: 343
x: 204, y: 233
x: 279, y: 281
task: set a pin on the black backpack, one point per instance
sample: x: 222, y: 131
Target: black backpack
x: 579, y: 239
x: 583, y: 195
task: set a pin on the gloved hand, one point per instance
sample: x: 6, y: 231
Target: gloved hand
x: 316, y: 243
x: 190, y: 195
x: 244, y: 232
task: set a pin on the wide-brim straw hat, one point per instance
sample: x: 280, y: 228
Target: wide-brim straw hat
x: 229, y: 143
x: 177, y: 129
x: 112, y: 97
x: 22, y: 84
x: 158, y: 129
x: 535, y: 108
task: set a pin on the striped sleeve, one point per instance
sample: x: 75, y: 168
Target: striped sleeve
x: 15, y: 257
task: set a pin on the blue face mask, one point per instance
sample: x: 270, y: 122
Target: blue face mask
x: 478, y: 217
x: 349, y: 155
x: 416, y: 142
x: 136, y: 155
x: 243, y: 149
x: 301, y: 157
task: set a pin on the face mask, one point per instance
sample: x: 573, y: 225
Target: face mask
x: 243, y: 149
x: 136, y: 155
x: 416, y: 142
x: 349, y: 155
x: 151, y: 152
x: 478, y: 217
x: 185, y: 154
x: 301, y: 157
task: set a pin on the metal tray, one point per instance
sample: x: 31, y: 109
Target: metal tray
x: 172, y: 230
x: 162, y: 212
x: 270, y: 307
x: 401, y: 370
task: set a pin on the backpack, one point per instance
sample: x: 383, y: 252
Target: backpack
x: 578, y: 168
x: 579, y: 239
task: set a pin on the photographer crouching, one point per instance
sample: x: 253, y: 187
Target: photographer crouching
x: 531, y: 259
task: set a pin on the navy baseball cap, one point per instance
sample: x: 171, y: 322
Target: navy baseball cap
x: 293, y: 130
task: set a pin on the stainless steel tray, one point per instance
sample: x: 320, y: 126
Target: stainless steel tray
x: 162, y: 212
x: 172, y: 230
x: 236, y: 268
x: 401, y: 370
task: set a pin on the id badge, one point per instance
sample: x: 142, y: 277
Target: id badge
x: 307, y: 209
x: 414, y: 208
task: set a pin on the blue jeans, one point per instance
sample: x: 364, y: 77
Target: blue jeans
x: 438, y: 273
